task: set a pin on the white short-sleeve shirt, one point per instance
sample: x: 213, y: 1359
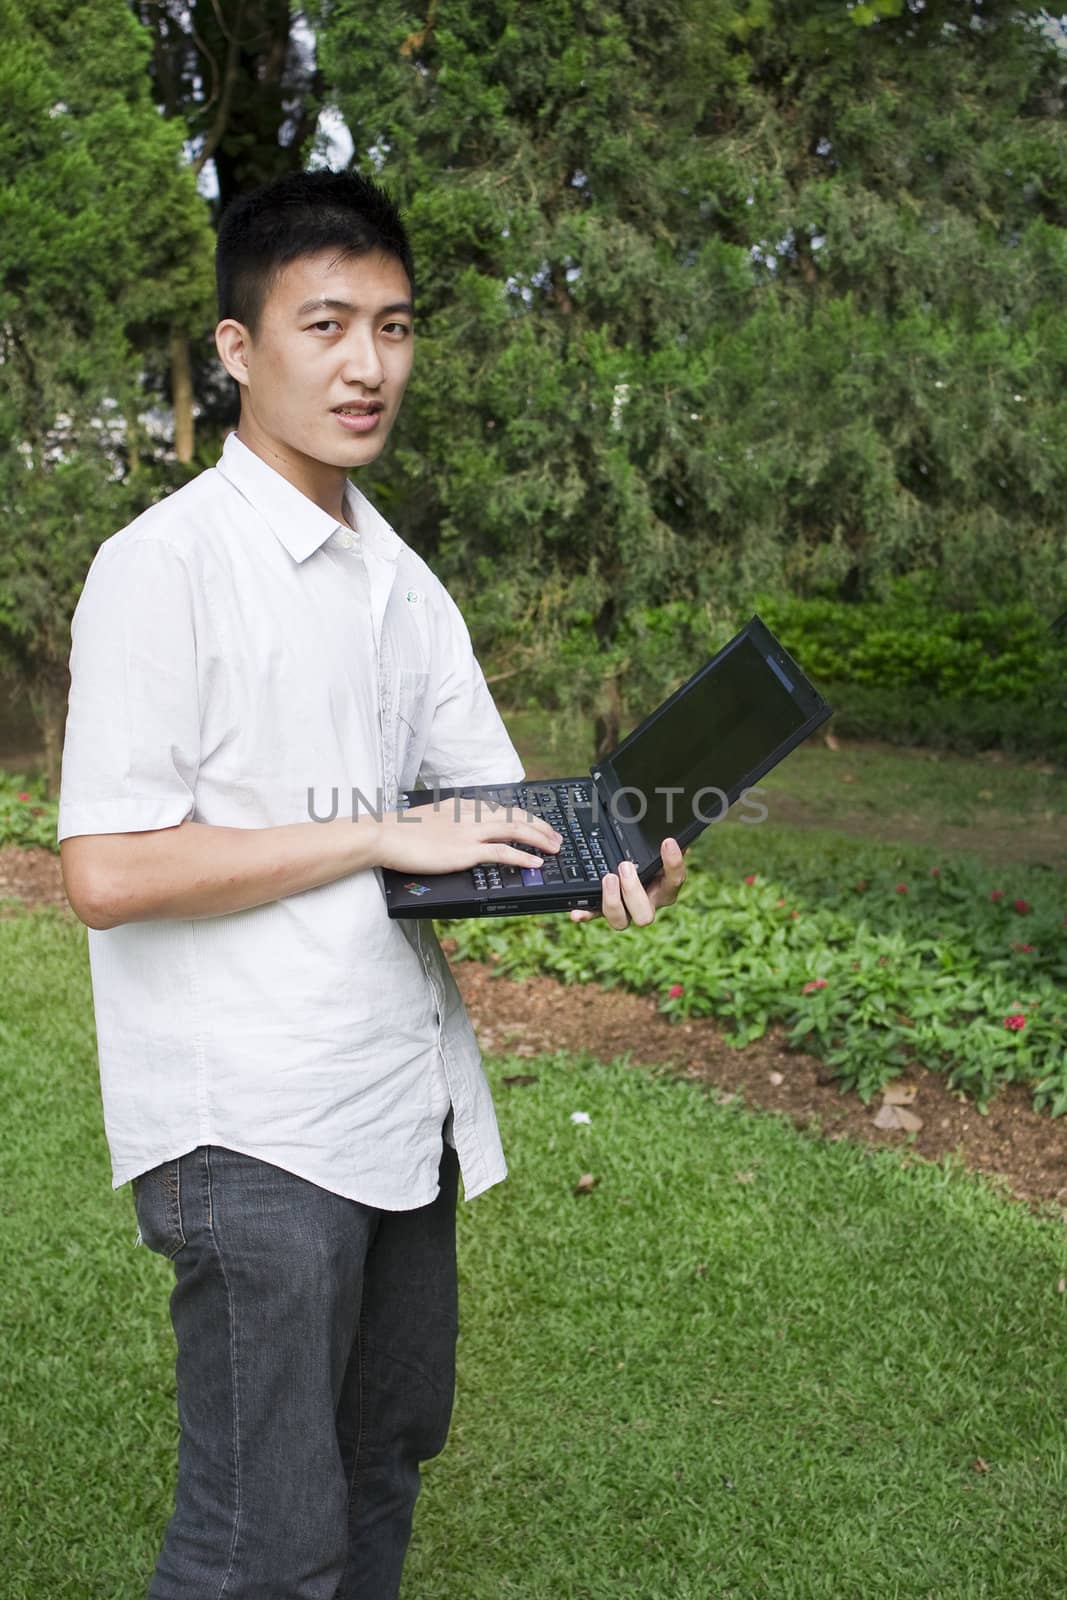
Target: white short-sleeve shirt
x: 238, y: 656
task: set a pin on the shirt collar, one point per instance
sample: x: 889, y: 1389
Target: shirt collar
x: 298, y: 523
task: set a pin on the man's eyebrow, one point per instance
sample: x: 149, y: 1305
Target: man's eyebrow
x: 324, y: 304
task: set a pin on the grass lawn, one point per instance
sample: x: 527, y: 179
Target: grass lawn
x: 745, y: 1364
x: 1001, y: 810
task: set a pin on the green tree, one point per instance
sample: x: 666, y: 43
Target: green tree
x: 105, y: 246
x: 716, y: 298
x: 240, y: 75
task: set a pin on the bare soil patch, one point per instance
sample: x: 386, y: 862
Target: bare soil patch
x: 1025, y: 1151
x: 31, y: 877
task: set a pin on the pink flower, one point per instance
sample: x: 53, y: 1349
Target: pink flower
x: 1021, y: 906
x: 816, y: 983
x: 675, y: 991
x: 23, y: 796
x: 1016, y: 1022
x: 997, y: 894
x: 750, y: 877
x: 902, y: 888
x: 935, y: 872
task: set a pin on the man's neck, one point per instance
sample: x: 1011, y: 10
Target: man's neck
x: 322, y: 484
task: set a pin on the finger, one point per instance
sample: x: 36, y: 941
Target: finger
x: 636, y: 900
x: 673, y: 858
x: 507, y: 821
x: 663, y: 890
x: 517, y: 835
x: 527, y: 830
x: 513, y: 857
x: 612, y: 908
x: 584, y: 916
x: 542, y: 826
x: 525, y: 824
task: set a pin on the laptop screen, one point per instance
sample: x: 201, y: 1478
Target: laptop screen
x: 711, y: 738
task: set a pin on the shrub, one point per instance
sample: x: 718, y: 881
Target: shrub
x: 27, y: 817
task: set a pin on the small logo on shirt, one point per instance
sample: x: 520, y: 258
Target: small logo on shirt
x: 417, y: 888
x: 413, y: 597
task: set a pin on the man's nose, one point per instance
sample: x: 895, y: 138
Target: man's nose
x: 362, y: 363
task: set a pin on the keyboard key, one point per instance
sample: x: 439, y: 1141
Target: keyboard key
x: 532, y: 876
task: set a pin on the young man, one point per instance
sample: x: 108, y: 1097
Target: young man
x: 289, y: 1077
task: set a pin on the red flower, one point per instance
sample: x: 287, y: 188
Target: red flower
x: 23, y: 796
x: 997, y: 894
x: 902, y: 888
x: 1026, y: 947
x: 862, y: 884
x: 1016, y: 1022
x: 935, y: 872
x: 675, y: 991
x: 794, y: 913
x: 750, y: 877
x: 1021, y: 906
x: 816, y: 983
x: 782, y: 903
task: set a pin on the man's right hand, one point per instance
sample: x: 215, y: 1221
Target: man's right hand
x: 451, y: 835
x: 199, y: 869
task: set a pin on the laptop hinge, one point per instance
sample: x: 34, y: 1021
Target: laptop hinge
x: 611, y: 839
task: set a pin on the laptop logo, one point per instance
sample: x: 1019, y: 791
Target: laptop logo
x: 417, y: 888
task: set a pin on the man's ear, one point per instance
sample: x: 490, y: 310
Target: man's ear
x: 232, y: 340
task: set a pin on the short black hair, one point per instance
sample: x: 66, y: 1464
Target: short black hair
x: 299, y: 215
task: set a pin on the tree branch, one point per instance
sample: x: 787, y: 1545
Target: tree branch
x: 217, y: 133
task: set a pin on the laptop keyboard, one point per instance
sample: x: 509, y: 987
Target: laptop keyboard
x: 567, y: 807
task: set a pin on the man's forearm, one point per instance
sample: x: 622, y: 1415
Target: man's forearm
x: 196, y: 870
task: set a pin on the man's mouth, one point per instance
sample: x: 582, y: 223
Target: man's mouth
x: 359, y: 418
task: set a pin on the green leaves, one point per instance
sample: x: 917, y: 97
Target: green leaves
x: 104, y: 246
x: 27, y: 817
x: 871, y: 974
x: 719, y: 299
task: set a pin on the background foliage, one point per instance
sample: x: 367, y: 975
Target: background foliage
x: 105, y: 245
x: 719, y: 301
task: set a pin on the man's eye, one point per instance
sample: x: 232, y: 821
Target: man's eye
x: 326, y: 325
x: 397, y: 327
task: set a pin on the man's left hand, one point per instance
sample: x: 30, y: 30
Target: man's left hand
x: 625, y: 899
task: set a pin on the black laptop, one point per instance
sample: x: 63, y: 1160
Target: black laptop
x: 681, y: 770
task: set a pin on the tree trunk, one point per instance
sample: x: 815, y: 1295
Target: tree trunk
x: 609, y: 719
x: 48, y: 691
x: 181, y: 384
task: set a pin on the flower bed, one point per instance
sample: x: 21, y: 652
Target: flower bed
x: 870, y: 958
x: 27, y: 817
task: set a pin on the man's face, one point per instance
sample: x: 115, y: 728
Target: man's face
x: 325, y: 371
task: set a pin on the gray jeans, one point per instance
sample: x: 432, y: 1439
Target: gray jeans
x: 316, y: 1357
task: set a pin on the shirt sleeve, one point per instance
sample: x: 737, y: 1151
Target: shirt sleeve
x: 132, y: 746
x: 468, y: 742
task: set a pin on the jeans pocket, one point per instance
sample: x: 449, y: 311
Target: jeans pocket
x: 157, y: 1200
